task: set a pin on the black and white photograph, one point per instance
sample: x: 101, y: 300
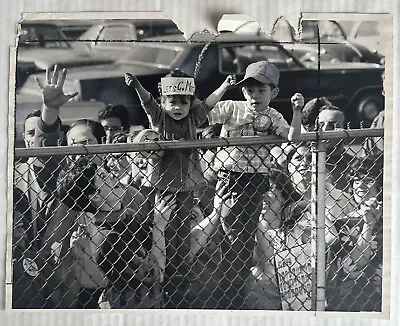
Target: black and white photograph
x: 235, y: 168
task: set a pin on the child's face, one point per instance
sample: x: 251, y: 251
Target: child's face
x: 258, y: 96
x: 177, y: 106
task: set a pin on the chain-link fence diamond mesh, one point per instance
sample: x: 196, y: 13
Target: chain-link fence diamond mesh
x: 107, y: 227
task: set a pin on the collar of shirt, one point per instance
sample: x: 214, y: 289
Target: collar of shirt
x: 254, y: 111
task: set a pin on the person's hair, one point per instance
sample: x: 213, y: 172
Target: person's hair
x: 293, y: 205
x: 116, y: 111
x: 37, y: 114
x: 175, y: 73
x: 34, y: 114
x: 75, y: 184
x: 370, y: 166
x: 178, y: 73
x: 289, y: 151
x: 95, y: 127
x: 282, y: 181
x: 311, y: 110
x: 330, y: 107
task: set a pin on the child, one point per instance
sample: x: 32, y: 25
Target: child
x: 245, y: 168
x: 177, y: 171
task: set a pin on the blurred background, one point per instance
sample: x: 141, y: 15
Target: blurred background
x: 341, y: 60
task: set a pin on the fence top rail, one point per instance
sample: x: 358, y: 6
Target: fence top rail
x: 198, y: 143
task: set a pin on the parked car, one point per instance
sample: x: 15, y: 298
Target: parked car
x: 74, y: 28
x: 367, y: 32
x: 335, y: 46
x: 352, y: 86
x: 113, y: 39
x: 42, y: 45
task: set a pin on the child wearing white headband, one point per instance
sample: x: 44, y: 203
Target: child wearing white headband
x: 177, y: 171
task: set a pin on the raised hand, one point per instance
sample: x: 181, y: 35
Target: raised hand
x: 372, y: 211
x: 163, y: 210
x: 131, y: 80
x: 224, y: 200
x: 297, y: 102
x: 229, y: 82
x: 52, y: 92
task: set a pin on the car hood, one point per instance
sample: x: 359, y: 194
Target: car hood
x: 112, y: 71
x: 47, y: 58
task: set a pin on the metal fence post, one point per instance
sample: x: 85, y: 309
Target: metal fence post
x: 318, y: 191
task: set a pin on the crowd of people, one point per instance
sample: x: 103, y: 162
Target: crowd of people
x: 218, y: 228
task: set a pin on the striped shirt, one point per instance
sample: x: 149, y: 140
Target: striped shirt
x: 239, y: 119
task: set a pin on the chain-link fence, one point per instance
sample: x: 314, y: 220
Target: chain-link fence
x: 114, y: 226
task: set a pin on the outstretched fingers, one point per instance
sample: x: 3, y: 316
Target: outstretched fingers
x: 61, y: 78
x: 221, y: 188
x: 39, y: 83
x: 54, y: 79
x: 48, y: 76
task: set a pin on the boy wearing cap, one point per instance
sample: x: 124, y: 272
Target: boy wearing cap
x: 245, y: 168
x: 177, y: 171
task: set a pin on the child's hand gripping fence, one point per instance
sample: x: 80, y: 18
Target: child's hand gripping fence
x: 85, y: 235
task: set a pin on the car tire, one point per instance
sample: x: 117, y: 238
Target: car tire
x: 368, y: 106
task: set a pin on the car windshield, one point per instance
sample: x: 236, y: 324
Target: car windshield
x: 327, y: 30
x: 368, y: 28
x: 43, y: 36
x: 156, y: 56
x: 282, y: 31
x: 147, y: 31
x: 347, y: 26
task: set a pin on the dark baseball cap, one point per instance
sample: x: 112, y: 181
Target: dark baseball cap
x: 262, y: 71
